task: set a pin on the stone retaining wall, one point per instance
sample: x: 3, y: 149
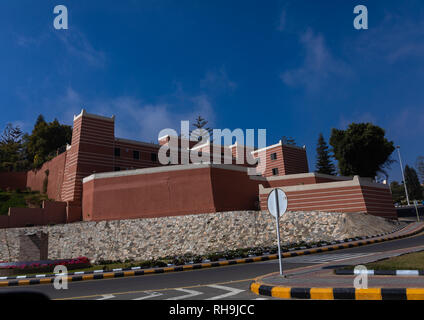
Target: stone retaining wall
x: 141, y: 239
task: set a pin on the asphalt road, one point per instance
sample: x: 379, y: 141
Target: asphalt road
x: 229, y: 282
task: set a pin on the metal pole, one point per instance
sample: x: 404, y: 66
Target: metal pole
x: 278, y: 231
x: 416, y: 209
x: 403, y: 175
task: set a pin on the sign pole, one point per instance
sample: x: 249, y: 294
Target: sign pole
x: 416, y: 209
x: 277, y: 206
x: 278, y: 232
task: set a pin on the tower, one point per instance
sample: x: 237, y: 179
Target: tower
x: 91, y: 150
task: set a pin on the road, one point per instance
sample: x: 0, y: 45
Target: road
x: 229, y: 282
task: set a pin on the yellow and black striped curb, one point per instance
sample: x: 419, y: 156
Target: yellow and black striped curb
x: 129, y: 272
x: 338, y: 293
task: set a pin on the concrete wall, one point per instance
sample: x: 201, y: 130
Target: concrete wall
x: 142, y: 239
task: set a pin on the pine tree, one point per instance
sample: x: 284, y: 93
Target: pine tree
x: 200, y: 124
x: 288, y: 140
x: 412, y: 184
x: 12, y: 156
x: 324, y: 164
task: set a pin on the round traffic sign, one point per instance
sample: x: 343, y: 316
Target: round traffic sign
x: 277, y: 202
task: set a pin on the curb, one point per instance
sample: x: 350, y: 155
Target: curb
x: 138, y: 271
x: 381, y: 272
x: 338, y: 293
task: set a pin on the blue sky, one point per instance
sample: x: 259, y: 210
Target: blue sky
x: 295, y: 68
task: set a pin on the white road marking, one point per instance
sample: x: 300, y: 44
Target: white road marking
x: 191, y: 293
x: 152, y: 295
x: 232, y: 292
x: 106, y: 297
x: 328, y: 257
x: 407, y: 273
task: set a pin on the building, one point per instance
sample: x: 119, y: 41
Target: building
x: 102, y: 177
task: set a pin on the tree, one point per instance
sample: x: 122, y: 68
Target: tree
x: 11, y: 152
x: 412, y: 184
x: 361, y: 150
x: 201, y: 131
x: 324, y: 164
x: 288, y: 140
x: 420, y: 167
x: 398, y: 192
x: 45, y: 140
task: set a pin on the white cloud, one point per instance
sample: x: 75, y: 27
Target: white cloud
x: 136, y: 119
x: 395, y: 39
x: 357, y: 117
x: 282, y: 21
x: 217, y: 80
x: 78, y: 45
x: 319, y: 65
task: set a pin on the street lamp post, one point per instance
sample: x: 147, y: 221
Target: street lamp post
x: 403, y: 175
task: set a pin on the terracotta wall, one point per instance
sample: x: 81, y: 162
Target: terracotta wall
x: 92, y: 150
x: 356, y: 195
x: 52, y: 212
x: 378, y: 201
x: 148, y: 195
x: 21, y: 217
x: 289, y: 160
x: 235, y: 190
x: 295, y: 160
x: 202, y: 188
x: 13, y: 180
x: 126, y: 159
x: 56, y: 168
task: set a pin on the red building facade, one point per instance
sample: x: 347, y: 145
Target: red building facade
x: 105, y: 177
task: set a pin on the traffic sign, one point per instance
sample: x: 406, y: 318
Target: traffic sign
x: 277, y: 206
x: 277, y: 202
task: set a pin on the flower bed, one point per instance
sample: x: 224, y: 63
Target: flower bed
x: 12, y: 268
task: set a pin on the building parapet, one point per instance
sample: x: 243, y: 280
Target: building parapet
x: 356, y: 181
x: 168, y: 168
x: 94, y: 116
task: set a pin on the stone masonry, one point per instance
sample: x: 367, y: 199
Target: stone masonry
x: 142, y: 239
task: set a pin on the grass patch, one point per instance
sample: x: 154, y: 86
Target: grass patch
x: 409, y: 261
x: 20, y: 199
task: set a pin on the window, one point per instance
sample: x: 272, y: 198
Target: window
x: 117, y: 152
x: 117, y: 169
x: 273, y: 156
x: 200, y: 153
x: 154, y: 157
x: 136, y: 155
x: 275, y: 172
